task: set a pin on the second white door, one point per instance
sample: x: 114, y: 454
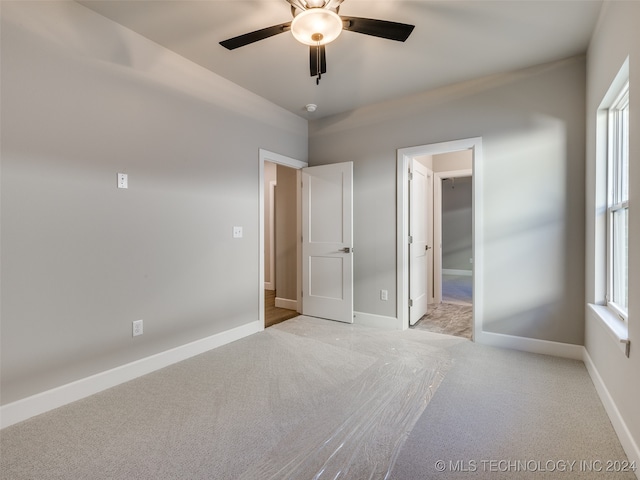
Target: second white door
x: 419, y: 187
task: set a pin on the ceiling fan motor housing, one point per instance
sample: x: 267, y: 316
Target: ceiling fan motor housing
x: 316, y: 26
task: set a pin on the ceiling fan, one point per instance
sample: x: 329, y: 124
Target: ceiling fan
x: 316, y: 23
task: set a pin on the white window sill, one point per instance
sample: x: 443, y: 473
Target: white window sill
x: 617, y: 327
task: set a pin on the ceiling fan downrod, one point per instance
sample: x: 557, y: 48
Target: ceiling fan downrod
x: 318, y: 38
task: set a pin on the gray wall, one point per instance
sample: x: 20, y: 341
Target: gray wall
x: 616, y: 37
x: 532, y: 126
x: 457, y: 222
x: 82, y: 99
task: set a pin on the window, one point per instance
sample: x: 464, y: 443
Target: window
x: 617, y: 295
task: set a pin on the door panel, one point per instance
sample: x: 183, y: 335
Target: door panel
x: 418, y: 253
x: 327, y: 243
x: 328, y: 218
x: 326, y: 270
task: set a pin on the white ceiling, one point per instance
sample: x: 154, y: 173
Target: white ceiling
x: 453, y: 41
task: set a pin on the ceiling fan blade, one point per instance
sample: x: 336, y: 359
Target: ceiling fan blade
x: 300, y: 5
x: 333, y: 4
x: 247, y: 38
x: 378, y: 28
x: 317, y: 65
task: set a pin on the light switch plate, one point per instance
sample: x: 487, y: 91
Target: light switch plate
x: 123, y: 180
x: 237, y: 232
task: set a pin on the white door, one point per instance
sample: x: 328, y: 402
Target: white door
x: 327, y: 241
x: 419, y: 246
x: 430, y: 240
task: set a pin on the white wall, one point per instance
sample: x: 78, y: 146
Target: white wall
x: 83, y: 98
x: 447, y: 162
x: 532, y: 127
x: 616, y: 37
x: 426, y: 160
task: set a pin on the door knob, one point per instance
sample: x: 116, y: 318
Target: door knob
x: 346, y: 250
x: 427, y: 247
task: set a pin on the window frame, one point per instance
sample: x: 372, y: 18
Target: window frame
x: 617, y: 197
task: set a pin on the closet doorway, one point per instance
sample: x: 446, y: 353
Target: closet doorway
x: 281, y: 242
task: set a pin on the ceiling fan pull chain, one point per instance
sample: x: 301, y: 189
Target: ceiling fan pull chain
x: 318, y: 65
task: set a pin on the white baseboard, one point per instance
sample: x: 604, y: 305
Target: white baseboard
x: 20, y: 410
x: 286, y: 303
x: 619, y: 425
x: 451, y: 271
x: 376, y: 321
x: 532, y: 345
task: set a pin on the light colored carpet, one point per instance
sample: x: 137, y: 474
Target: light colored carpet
x: 310, y: 399
x: 503, y: 414
x: 304, y: 398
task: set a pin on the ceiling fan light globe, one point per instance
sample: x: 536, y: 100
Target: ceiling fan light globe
x: 316, y: 26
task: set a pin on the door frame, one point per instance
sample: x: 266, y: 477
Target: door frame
x: 267, y: 156
x: 404, y: 156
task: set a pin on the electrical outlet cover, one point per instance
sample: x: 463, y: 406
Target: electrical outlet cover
x: 137, y: 328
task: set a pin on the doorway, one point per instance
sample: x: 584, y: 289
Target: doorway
x: 448, y: 168
x: 281, y: 234
x: 453, y: 205
x: 287, y: 301
x: 324, y: 254
x: 451, y: 310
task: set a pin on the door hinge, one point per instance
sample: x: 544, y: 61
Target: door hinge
x: 410, y: 175
x: 410, y: 303
x: 410, y: 239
